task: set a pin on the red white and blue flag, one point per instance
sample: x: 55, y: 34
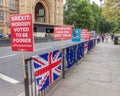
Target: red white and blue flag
x: 85, y: 47
x: 47, y: 68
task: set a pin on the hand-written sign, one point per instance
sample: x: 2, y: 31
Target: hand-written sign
x: 21, y: 28
x: 62, y: 32
x: 88, y: 35
x: 84, y: 34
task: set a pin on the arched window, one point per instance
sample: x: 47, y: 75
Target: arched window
x: 39, y: 13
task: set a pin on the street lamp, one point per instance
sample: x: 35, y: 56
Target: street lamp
x: 101, y: 16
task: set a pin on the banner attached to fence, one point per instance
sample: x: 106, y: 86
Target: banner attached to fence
x: 76, y: 35
x: 47, y: 68
x: 21, y: 32
x: 62, y: 32
x: 86, y: 47
x: 84, y: 34
x: 80, y: 51
x: 88, y: 36
x: 70, y: 56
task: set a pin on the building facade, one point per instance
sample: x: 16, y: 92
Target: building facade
x: 7, y: 7
x: 46, y: 13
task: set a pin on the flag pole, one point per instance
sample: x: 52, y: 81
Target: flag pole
x: 25, y: 74
x: 23, y: 62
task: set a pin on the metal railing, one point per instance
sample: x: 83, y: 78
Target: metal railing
x: 78, y: 54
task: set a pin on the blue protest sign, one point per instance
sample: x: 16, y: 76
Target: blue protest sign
x: 76, y: 35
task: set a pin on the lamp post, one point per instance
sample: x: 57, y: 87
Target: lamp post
x: 100, y: 16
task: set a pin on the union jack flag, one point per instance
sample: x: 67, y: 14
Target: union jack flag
x: 47, y: 68
x: 85, y: 47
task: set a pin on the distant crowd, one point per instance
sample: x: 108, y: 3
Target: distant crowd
x: 104, y: 37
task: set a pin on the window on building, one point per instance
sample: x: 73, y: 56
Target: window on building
x: 39, y: 13
x: 1, y: 2
x: 1, y: 31
x: 1, y: 15
x: 12, y: 4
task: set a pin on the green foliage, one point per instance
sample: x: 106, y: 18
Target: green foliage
x: 111, y: 12
x: 85, y: 15
x: 97, y: 16
x: 81, y: 13
x: 116, y: 28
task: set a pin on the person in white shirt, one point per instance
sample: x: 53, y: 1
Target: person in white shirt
x: 106, y: 37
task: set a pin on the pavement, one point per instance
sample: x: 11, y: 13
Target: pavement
x: 97, y: 75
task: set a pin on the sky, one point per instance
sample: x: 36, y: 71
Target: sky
x: 96, y: 1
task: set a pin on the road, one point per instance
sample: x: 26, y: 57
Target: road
x: 11, y: 68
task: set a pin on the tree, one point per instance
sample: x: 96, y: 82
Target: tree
x: 83, y: 14
x: 69, y: 9
x: 111, y: 12
x: 79, y: 14
x: 97, y: 16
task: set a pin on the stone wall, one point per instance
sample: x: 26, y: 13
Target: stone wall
x: 53, y: 11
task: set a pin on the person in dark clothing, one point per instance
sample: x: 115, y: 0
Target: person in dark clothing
x: 103, y: 37
x: 112, y: 36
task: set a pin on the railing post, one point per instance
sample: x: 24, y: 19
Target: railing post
x: 63, y: 63
x: 83, y: 49
x: 26, y: 83
x: 77, y: 54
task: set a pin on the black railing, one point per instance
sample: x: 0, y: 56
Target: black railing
x: 76, y: 55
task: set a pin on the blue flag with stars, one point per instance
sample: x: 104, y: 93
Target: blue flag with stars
x: 80, y: 51
x: 70, y: 56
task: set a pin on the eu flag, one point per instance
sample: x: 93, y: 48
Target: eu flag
x: 80, y: 51
x: 70, y: 56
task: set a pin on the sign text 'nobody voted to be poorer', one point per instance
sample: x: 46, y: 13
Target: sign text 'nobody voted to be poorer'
x: 21, y: 32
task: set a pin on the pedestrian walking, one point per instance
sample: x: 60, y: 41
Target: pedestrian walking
x: 103, y: 36
x: 112, y: 36
x: 98, y: 38
x: 106, y: 37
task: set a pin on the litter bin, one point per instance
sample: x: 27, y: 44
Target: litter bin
x: 116, y: 40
